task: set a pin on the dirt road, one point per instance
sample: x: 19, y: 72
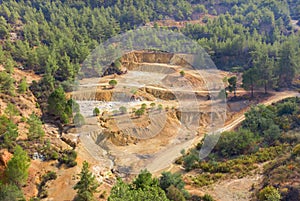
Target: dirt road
x: 165, y: 159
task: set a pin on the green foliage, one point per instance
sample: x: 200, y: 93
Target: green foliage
x: 9, y: 66
x: 96, y: 111
x: 6, y: 83
x: 144, y: 187
x: 123, y: 110
x: 167, y: 179
x: 250, y: 78
x: 175, y: 194
x: 173, y: 185
x: 160, y: 107
x: 59, y: 107
x: 17, y: 167
x: 232, y: 81
x: 87, y: 185
x: 23, y: 87
x: 8, y: 132
x: 42, y: 186
x: 68, y: 157
x: 72, y: 107
x: 258, y: 119
x: 35, y: 130
x: 10, y: 192
x: 296, y: 150
x: 144, y: 106
x: 269, y: 193
x: 182, y: 73
x: 152, y: 105
x: 139, y: 112
x: 11, y: 111
x: 79, y: 120
x: 235, y: 143
x: 113, y: 83
x: 57, y: 104
x: 207, y: 197
x: 144, y: 180
x: 271, y: 134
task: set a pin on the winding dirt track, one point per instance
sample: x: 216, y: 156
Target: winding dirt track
x: 166, y: 159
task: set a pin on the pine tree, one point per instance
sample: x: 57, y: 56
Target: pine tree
x: 57, y: 104
x: 10, y: 192
x: 87, y: 185
x: 11, y: 111
x: 6, y: 83
x: 232, y: 84
x: 288, y: 63
x: 17, y: 167
x: 264, y: 65
x: 23, y: 87
x: 35, y: 130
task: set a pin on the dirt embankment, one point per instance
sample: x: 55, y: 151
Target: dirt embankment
x: 134, y: 59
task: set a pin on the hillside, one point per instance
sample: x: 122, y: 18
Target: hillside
x: 149, y: 100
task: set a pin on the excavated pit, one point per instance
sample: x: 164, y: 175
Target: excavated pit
x: 135, y: 143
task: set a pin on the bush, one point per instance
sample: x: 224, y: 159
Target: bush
x: 160, y: 107
x: 235, y: 143
x: 175, y: 194
x: 23, y: 87
x: 112, y: 83
x: 79, y: 120
x: 296, y: 150
x: 96, y: 111
x: 68, y: 157
x: 123, y: 110
x: 207, y: 197
x: 47, y: 177
x: 182, y: 73
x: 152, y: 105
x: 139, y: 112
x: 144, y: 106
x: 269, y: 193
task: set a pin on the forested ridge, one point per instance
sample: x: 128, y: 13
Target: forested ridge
x: 52, y: 38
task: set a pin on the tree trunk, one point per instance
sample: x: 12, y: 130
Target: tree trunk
x: 234, y: 92
x: 266, y: 88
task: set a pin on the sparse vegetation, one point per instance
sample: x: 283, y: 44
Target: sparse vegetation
x: 269, y: 193
x: 23, y: 87
x: 79, y: 120
x: 112, y: 83
x: 52, y: 40
x: 123, y: 110
x: 96, y: 111
x: 68, y: 157
x: 35, y: 130
x: 139, y: 112
x: 182, y: 73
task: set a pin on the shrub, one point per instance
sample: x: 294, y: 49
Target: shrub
x: 68, y: 157
x: 123, y: 110
x: 182, y: 73
x: 269, y: 193
x: 296, y: 150
x: 144, y: 106
x: 139, y: 112
x: 175, y: 194
x: 152, y: 105
x: 112, y: 83
x: 79, y: 120
x: 96, y: 111
x: 207, y: 197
